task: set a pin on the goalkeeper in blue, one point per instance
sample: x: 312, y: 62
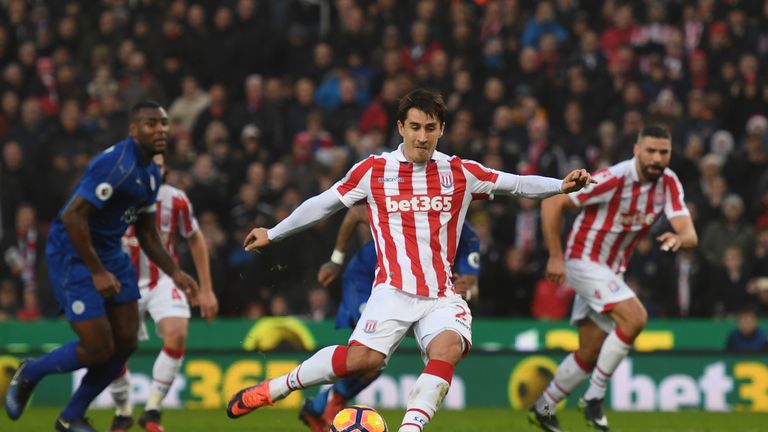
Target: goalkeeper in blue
x: 357, y: 282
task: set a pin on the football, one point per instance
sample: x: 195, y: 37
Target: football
x: 358, y: 418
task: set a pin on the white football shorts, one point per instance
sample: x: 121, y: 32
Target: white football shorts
x: 598, y: 289
x: 162, y: 301
x: 391, y: 313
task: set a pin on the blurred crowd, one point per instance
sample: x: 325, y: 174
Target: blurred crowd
x: 271, y: 101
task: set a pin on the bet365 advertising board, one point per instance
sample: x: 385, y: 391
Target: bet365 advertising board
x: 678, y: 365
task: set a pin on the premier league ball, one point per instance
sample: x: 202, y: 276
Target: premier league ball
x: 358, y: 418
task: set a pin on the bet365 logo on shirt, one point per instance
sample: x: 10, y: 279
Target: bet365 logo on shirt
x: 419, y: 203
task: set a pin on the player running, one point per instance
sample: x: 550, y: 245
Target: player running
x: 166, y: 304
x: 357, y: 282
x: 417, y: 199
x: 628, y: 199
x: 92, y: 277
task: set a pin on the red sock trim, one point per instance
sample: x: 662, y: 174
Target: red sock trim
x: 413, y: 424
x: 422, y: 412
x: 562, y: 390
x: 603, y: 373
x: 123, y: 371
x: 582, y: 364
x: 355, y: 343
x: 298, y: 380
x: 339, y: 361
x: 172, y: 353
x: 441, y: 369
x: 622, y: 337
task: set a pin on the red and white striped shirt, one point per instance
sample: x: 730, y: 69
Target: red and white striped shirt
x: 417, y: 211
x: 174, y: 214
x: 618, y: 211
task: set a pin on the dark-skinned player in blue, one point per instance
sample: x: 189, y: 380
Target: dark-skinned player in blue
x: 92, y: 278
x: 357, y: 282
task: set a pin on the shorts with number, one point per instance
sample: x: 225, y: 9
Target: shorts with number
x: 72, y: 284
x: 598, y: 289
x: 164, y: 300
x: 390, y: 314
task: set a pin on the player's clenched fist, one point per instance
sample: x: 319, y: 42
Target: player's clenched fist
x: 106, y: 284
x: 328, y: 273
x: 256, y: 239
x: 576, y: 180
x: 555, y: 272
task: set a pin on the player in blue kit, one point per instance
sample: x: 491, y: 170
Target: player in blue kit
x: 92, y: 278
x: 357, y: 282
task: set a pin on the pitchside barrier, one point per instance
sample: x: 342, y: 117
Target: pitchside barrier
x: 676, y: 365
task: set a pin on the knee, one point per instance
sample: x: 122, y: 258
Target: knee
x: 450, y: 353
x: 175, y: 338
x: 447, y: 346
x: 126, y: 346
x: 635, y: 323
x: 98, y: 354
x: 364, y: 361
x: 588, y: 355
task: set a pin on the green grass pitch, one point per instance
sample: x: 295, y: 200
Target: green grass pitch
x: 469, y: 420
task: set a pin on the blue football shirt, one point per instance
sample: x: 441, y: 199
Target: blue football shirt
x: 120, y: 184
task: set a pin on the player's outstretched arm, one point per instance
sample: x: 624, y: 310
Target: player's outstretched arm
x: 75, y: 218
x: 331, y: 270
x: 552, y: 210
x: 149, y: 240
x: 209, y: 305
x: 307, y: 214
x: 684, y: 237
x: 539, y: 187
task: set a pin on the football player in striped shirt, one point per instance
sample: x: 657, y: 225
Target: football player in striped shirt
x: 417, y: 199
x: 613, y: 215
x: 318, y: 412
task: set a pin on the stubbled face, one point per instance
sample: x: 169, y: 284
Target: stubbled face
x: 150, y: 130
x: 420, y: 133
x: 653, y: 156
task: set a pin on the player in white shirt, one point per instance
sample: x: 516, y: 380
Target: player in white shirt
x: 165, y: 303
x: 614, y: 214
x: 417, y: 199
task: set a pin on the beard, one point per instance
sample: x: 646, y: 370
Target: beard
x: 652, y: 175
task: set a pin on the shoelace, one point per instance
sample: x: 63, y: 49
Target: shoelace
x: 257, y: 396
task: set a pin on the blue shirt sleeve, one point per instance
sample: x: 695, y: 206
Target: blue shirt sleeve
x: 103, y: 176
x: 467, y: 260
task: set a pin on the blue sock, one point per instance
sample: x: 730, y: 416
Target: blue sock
x: 351, y: 386
x: 62, y: 359
x: 317, y: 404
x: 94, y: 382
x: 348, y: 388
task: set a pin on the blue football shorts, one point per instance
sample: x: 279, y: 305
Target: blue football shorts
x: 73, y: 285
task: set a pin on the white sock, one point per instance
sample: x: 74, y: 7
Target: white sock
x: 163, y: 373
x: 569, y: 375
x: 426, y: 395
x: 614, y: 350
x: 324, y: 367
x: 121, y: 394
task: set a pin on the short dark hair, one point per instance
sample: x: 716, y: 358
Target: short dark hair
x: 428, y: 101
x: 136, y: 109
x: 654, y: 131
